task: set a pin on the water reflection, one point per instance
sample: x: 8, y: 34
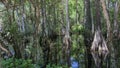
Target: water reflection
x: 99, y: 49
x: 99, y: 58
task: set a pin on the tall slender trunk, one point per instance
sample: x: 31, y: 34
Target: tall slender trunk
x: 98, y: 15
x: 67, y: 39
x: 87, y: 36
x: 116, y: 31
x: 109, y: 34
x: 45, y: 43
x: 116, y: 25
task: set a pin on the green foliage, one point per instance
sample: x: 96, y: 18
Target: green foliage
x: 73, y: 10
x: 77, y: 40
x: 55, y: 66
x: 77, y: 28
x: 19, y: 63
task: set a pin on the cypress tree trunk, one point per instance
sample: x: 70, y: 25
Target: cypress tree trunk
x: 67, y: 39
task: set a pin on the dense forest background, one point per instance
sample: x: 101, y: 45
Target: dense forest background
x: 59, y: 33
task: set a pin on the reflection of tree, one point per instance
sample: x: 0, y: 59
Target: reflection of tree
x: 99, y: 49
x: 99, y: 58
x: 96, y: 58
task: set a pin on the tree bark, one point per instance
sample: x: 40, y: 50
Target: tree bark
x: 67, y: 39
x: 88, y: 36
